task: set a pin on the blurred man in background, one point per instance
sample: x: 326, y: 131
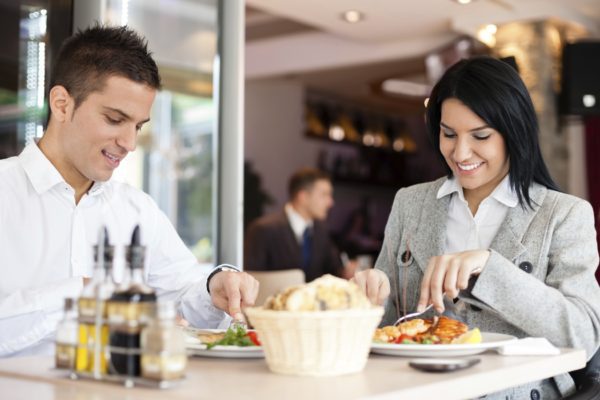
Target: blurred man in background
x: 297, y: 237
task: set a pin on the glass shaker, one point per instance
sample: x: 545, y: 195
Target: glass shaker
x: 66, y: 337
x: 163, y: 345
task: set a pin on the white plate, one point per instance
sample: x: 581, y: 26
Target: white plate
x: 488, y: 341
x: 196, y: 348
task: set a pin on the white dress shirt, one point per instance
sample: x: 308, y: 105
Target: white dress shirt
x: 46, y: 248
x: 297, y: 222
x: 467, y: 232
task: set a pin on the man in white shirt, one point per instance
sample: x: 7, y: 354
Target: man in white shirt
x: 57, y: 193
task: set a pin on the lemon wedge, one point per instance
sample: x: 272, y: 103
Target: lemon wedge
x: 471, y: 337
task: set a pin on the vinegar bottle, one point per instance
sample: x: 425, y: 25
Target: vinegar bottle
x: 129, y: 310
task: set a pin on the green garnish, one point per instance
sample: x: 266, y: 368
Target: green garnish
x: 235, y: 336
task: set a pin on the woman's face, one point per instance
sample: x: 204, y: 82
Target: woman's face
x: 475, y: 152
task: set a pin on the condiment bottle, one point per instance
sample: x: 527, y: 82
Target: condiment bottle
x: 129, y: 310
x: 92, y: 310
x: 163, y: 345
x: 66, y: 337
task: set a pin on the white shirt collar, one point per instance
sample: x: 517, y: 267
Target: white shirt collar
x: 41, y: 172
x: 297, y: 222
x: 503, y: 193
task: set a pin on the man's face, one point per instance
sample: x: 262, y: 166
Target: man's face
x: 97, y: 135
x: 319, y: 199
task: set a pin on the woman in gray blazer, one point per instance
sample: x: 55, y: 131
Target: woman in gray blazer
x: 494, y: 244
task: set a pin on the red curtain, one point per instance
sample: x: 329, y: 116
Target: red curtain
x: 592, y: 139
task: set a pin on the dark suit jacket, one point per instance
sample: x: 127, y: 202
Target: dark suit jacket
x: 270, y: 245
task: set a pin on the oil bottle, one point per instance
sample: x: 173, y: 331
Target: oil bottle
x: 93, y: 327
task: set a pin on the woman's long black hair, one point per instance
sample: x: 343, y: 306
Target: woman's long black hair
x: 493, y: 90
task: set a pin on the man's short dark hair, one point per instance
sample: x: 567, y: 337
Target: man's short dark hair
x: 304, y: 179
x: 89, y: 57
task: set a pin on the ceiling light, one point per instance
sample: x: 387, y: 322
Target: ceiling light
x: 487, y: 35
x: 491, y: 28
x: 353, y: 16
x: 406, y: 88
x: 463, y: 1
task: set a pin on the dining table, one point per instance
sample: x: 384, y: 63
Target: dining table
x: 384, y: 377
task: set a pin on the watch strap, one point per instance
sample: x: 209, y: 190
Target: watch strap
x: 216, y: 271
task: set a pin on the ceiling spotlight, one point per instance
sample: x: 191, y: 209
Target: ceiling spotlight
x: 463, y: 1
x: 491, y: 28
x: 353, y: 16
x: 487, y: 35
x: 405, y: 88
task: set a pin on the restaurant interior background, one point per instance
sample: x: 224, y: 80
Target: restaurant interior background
x: 324, y: 87
x: 343, y: 91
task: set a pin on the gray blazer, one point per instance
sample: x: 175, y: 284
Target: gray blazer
x: 539, y: 280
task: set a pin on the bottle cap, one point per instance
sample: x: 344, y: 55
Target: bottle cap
x: 135, y: 251
x: 70, y: 303
x: 104, y: 247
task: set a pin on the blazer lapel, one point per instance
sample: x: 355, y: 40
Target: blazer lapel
x: 508, y: 240
x: 430, y: 230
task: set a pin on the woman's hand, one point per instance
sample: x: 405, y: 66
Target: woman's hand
x: 449, y: 273
x: 374, y: 283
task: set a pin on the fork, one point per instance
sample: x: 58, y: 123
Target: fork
x: 411, y: 315
x: 238, y: 322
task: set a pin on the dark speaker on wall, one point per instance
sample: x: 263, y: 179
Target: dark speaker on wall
x: 580, y: 94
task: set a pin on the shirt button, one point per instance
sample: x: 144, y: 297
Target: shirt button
x: 535, y: 394
x: 526, y: 266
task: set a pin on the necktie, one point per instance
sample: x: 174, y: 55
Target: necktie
x: 306, y: 248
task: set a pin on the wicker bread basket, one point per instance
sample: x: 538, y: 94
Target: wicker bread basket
x: 315, y: 343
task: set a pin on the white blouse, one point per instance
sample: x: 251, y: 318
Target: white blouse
x: 467, y: 232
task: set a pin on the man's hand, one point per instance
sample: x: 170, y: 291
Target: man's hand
x: 230, y: 291
x: 374, y: 283
x: 449, y: 274
x: 349, y: 269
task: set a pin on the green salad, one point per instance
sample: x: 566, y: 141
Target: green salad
x: 236, y: 335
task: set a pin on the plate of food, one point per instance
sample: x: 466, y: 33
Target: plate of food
x: 235, y: 342
x: 443, y: 337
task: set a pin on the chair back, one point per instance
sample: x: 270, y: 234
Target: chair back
x: 587, y: 380
x: 272, y: 282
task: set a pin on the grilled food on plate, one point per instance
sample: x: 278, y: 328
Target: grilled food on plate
x: 442, y: 330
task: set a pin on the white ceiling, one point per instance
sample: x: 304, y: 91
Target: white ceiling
x: 391, y: 30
